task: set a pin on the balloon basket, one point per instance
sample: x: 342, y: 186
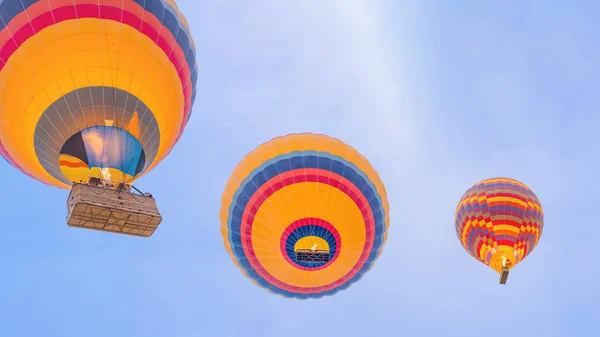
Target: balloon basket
x: 112, y: 210
x: 307, y: 255
x: 504, y: 275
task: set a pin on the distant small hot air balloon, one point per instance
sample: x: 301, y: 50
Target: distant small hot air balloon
x: 304, y: 216
x: 95, y: 94
x: 499, y: 222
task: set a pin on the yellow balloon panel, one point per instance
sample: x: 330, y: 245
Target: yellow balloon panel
x: 311, y: 242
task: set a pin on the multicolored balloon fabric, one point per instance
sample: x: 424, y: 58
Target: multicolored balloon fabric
x: 499, y: 222
x: 93, y: 88
x: 304, y: 216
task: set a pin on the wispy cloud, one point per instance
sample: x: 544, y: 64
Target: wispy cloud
x: 437, y: 97
x: 435, y: 107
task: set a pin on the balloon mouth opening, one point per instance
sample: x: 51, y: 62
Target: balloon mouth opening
x: 502, y: 260
x: 310, y: 244
x: 105, y: 152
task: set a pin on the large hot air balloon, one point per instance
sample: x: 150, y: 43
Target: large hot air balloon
x: 95, y: 94
x: 304, y: 216
x: 499, y: 222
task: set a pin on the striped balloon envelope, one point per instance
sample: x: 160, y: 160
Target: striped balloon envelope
x: 499, y: 222
x: 93, y: 88
x: 304, y: 216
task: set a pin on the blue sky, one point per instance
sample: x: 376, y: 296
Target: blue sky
x: 436, y: 95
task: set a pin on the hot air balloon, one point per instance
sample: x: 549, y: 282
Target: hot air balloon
x: 95, y: 94
x: 499, y: 222
x: 304, y: 216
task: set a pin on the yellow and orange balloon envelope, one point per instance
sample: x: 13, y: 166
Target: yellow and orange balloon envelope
x: 93, y: 88
x: 499, y: 222
x: 304, y: 216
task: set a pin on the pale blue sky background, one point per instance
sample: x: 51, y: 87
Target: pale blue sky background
x: 436, y: 94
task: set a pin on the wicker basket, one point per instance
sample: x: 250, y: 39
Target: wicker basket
x: 111, y: 210
x: 504, y: 275
x: 307, y: 255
